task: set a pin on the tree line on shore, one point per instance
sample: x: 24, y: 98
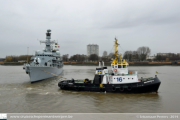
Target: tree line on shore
x: 80, y: 58
x: 14, y: 58
x: 139, y: 55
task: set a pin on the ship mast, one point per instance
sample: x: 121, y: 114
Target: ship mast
x: 115, y: 61
x: 48, y: 42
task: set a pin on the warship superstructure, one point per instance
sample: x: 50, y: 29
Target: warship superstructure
x: 46, y: 63
x: 119, y: 79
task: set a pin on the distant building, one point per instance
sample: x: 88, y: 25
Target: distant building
x: 92, y: 49
x: 161, y: 54
x: 178, y: 54
x: 166, y: 54
x: 105, y: 54
x: 150, y: 57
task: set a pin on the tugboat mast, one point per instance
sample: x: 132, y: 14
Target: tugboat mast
x: 115, y: 61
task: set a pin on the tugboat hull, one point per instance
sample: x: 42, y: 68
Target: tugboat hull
x: 139, y: 87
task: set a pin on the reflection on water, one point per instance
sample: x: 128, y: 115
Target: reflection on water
x: 17, y: 94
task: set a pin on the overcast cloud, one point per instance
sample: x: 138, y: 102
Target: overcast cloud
x: 77, y: 23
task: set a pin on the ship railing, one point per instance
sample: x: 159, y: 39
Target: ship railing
x: 82, y: 81
x: 145, y: 79
x: 42, y: 65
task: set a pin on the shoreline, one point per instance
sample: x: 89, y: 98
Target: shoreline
x: 130, y: 63
x: 106, y: 63
x: 11, y: 63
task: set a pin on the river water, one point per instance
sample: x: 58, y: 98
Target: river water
x: 18, y: 95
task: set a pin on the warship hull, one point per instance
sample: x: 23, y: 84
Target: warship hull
x: 139, y: 87
x: 41, y: 73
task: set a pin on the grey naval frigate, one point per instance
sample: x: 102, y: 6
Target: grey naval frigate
x: 46, y: 63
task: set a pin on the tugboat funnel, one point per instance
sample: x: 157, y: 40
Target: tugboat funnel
x: 99, y: 64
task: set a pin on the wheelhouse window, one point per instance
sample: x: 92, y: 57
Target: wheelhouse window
x: 124, y: 66
x: 115, y: 66
x: 112, y: 66
x: 119, y: 66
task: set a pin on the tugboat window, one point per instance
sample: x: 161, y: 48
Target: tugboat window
x: 124, y: 66
x: 115, y: 66
x: 119, y: 66
x: 112, y: 66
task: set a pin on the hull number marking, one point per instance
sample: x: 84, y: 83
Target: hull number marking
x: 119, y: 79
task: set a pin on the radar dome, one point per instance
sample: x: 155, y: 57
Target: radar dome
x: 48, y: 30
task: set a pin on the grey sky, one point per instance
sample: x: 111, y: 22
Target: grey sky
x: 77, y: 23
